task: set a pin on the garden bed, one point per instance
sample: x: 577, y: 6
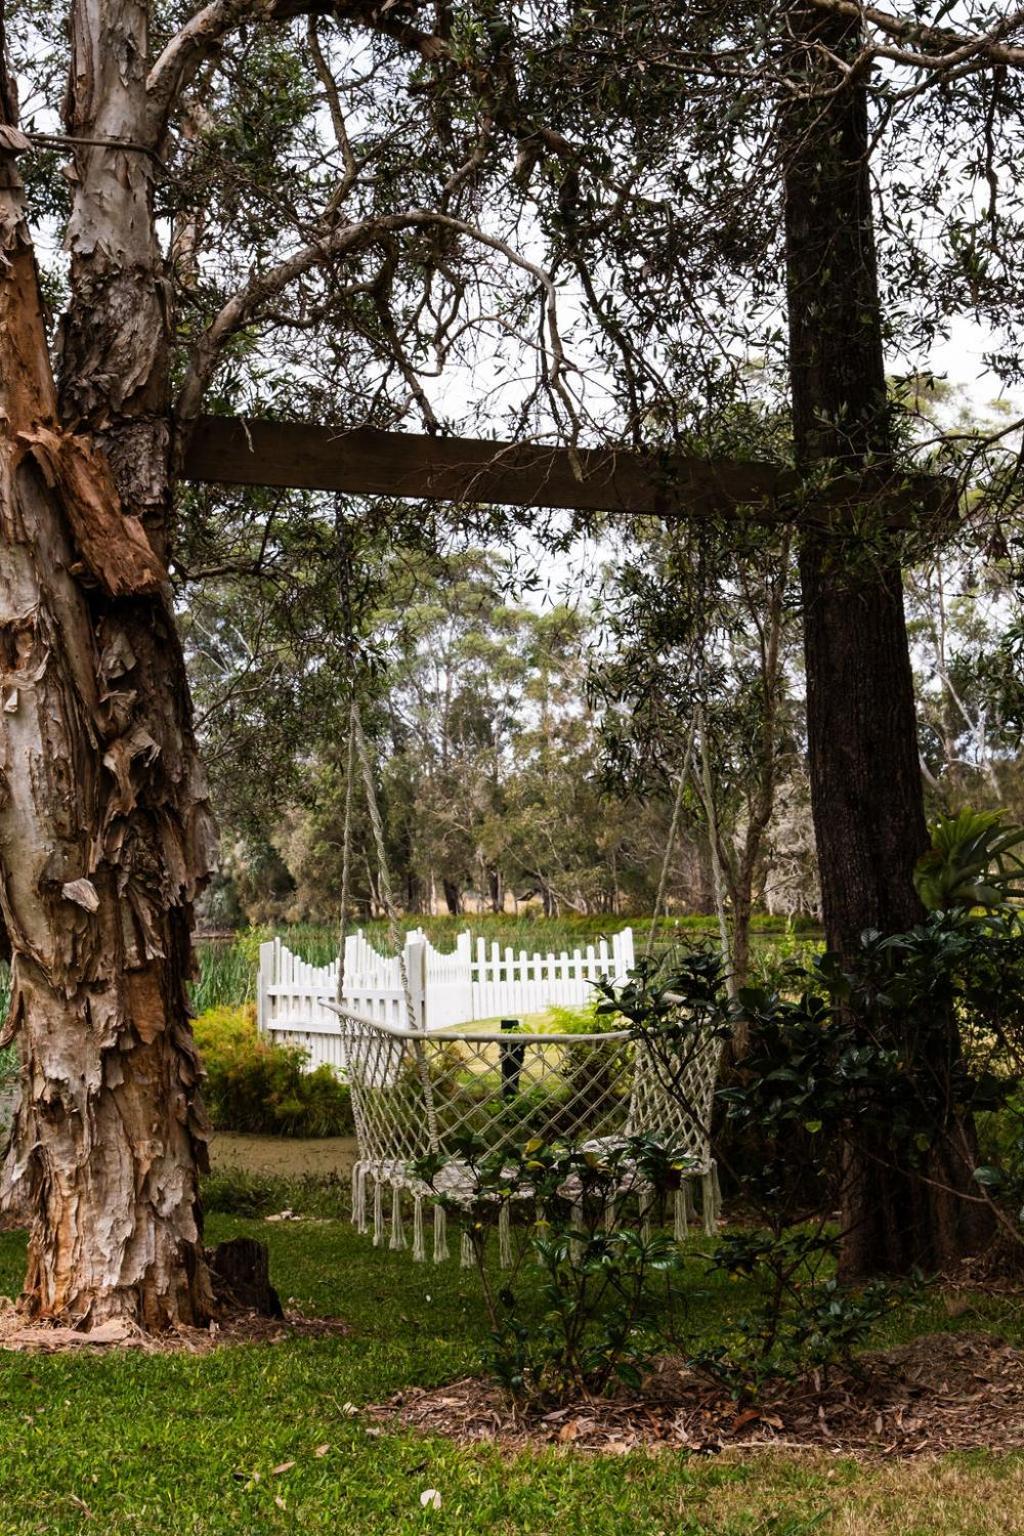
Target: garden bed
x: 941, y: 1392
x: 20, y: 1337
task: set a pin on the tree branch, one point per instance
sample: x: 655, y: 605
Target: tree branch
x: 944, y: 47
x: 341, y: 244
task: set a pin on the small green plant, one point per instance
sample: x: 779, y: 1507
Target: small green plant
x: 578, y: 1225
x: 252, y: 1085
x: 802, y: 1319
x: 974, y: 861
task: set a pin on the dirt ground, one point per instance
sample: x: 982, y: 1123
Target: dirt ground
x: 286, y: 1156
x: 20, y: 1337
x: 939, y: 1393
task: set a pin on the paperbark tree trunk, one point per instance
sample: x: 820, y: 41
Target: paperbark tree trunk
x: 105, y: 835
x: 866, y: 789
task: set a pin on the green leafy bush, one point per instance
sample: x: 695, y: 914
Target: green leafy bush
x: 252, y: 1085
x: 807, y: 1073
x: 605, y: 1289
x: 974, y: 861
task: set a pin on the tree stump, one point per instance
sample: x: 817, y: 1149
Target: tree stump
x: 240, y: 1271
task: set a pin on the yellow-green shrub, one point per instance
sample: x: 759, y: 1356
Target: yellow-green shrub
x: 252, y: 1085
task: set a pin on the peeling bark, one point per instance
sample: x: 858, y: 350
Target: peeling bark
x: 105, y: 835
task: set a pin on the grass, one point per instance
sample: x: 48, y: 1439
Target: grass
x: 128, y: 1445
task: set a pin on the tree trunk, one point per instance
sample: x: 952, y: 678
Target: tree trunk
x: 866, y: 787
x: 105, y: 836
x: 452, y: 897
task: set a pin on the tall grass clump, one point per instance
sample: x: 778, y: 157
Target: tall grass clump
x: 228, y: 971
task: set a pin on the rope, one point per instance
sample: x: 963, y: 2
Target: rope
x: 395, y: 936
x: 673, y: 830
x: 346, y: 857
x: 717, y: 871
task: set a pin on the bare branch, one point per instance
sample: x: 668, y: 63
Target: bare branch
x: 937, y: 48
x: 342, y: 244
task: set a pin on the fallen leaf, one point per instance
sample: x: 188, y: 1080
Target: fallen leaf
x: 430, y: 1498
x: 748, y: 1416
x: 284, y: 1466
x: 322, y: 1450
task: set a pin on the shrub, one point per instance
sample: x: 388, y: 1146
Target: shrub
x: 252, y: 1085
x: 806, y: 1074
x: 238, y: 1192
x: 605, y: 1289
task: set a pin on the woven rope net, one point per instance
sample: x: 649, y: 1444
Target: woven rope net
x: 420, y: 1096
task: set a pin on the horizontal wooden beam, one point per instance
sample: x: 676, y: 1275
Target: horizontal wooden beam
x: 367, y: 462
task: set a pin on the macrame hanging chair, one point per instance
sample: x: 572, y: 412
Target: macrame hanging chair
x: 419, y: 1094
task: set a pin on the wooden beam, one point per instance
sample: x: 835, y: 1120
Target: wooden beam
x: 231, y: 451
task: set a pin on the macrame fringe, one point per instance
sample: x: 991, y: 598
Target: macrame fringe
x: 397, y: 1230
x: 575, y: 1245
x: 709, y: 1200
x: 378, y: 1213
x: 440, y: 1234
x: 359, y: 1197
x: 419, y: 1245
x: 682, y: 1224
x: 646, y: 1203
x: 505, y: 1236
x: 467, y: 1258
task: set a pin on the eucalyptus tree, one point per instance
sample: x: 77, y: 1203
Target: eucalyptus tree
x: 259, y: 204
x: 842, y: 187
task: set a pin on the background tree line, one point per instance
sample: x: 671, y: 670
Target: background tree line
x: 530, y: 740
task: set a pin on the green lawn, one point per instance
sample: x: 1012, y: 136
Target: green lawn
x: 170, y: 1445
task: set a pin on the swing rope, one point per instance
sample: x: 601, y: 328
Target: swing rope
x: 670, y: 844
x: 346, y: 848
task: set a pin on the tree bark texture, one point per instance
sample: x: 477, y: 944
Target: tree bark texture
x: 105, y: 834
x: 866, y: 789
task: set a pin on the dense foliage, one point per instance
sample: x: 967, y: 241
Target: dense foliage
x: 253, y: 1085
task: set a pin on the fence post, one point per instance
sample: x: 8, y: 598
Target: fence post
x: 267, y: 976
x: 416, y: 971
x: 511, y: 1057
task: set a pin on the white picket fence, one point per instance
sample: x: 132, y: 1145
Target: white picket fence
x: 457, y: 987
